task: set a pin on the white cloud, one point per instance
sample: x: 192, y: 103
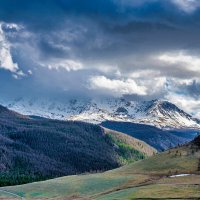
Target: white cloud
x: 187, y: 103
x: 105, y: 68
x: 144, y: 73
x: 6, y: 60
x: 155, y: 85
x: 189, y: 62
x: 187, y: 6
x: 30, y: 72
x: 116, y: 87
x: 69, y: 65
x: 12, y: 26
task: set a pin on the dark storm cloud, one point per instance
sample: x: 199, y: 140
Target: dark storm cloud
x: 102, y: 38
x: 112, y: 28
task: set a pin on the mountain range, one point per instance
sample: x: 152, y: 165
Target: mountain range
x: 159, y: 113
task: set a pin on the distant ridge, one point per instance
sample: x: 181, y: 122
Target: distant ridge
x: 5, y: 112
x: 159, y: 113
x: 160, y: 139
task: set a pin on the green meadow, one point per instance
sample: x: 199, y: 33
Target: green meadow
x: 149, y: 178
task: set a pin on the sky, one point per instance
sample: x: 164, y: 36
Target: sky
x: 140, y: 49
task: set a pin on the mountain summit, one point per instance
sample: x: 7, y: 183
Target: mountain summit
x: 159, y: 113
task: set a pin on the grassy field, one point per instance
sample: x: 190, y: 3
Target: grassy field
x: 149, y: 178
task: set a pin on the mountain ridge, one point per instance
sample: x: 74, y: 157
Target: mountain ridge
x: 160, y: 139
x: 159, y: 113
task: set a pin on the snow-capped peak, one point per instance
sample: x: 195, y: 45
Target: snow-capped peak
x: 162, y: 114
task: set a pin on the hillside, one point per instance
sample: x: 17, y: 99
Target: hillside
x: 33, y: 149
x: 129, y: 148
x: 159, y: 113
x: 160, y: 139
x: 149, y: 178
x: 160, y: 124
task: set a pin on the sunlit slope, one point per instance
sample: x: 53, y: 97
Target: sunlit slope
x: 129, y: 148
x: 138, y: 180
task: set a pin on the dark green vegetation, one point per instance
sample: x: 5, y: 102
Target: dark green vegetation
x: 158, y: 138
x: 33, y: 149
x: 145, y: 179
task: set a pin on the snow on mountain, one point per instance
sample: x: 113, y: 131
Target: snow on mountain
x: 161, y: 114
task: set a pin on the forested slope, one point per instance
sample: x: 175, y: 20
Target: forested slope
x: 39, y: 149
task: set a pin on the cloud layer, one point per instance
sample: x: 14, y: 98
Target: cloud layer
x: 117, y: 87
x: 144, y: 49
x: 187, y: 6
x: 6, y: 61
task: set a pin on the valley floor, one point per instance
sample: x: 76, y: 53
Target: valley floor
x: 137, y: 187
